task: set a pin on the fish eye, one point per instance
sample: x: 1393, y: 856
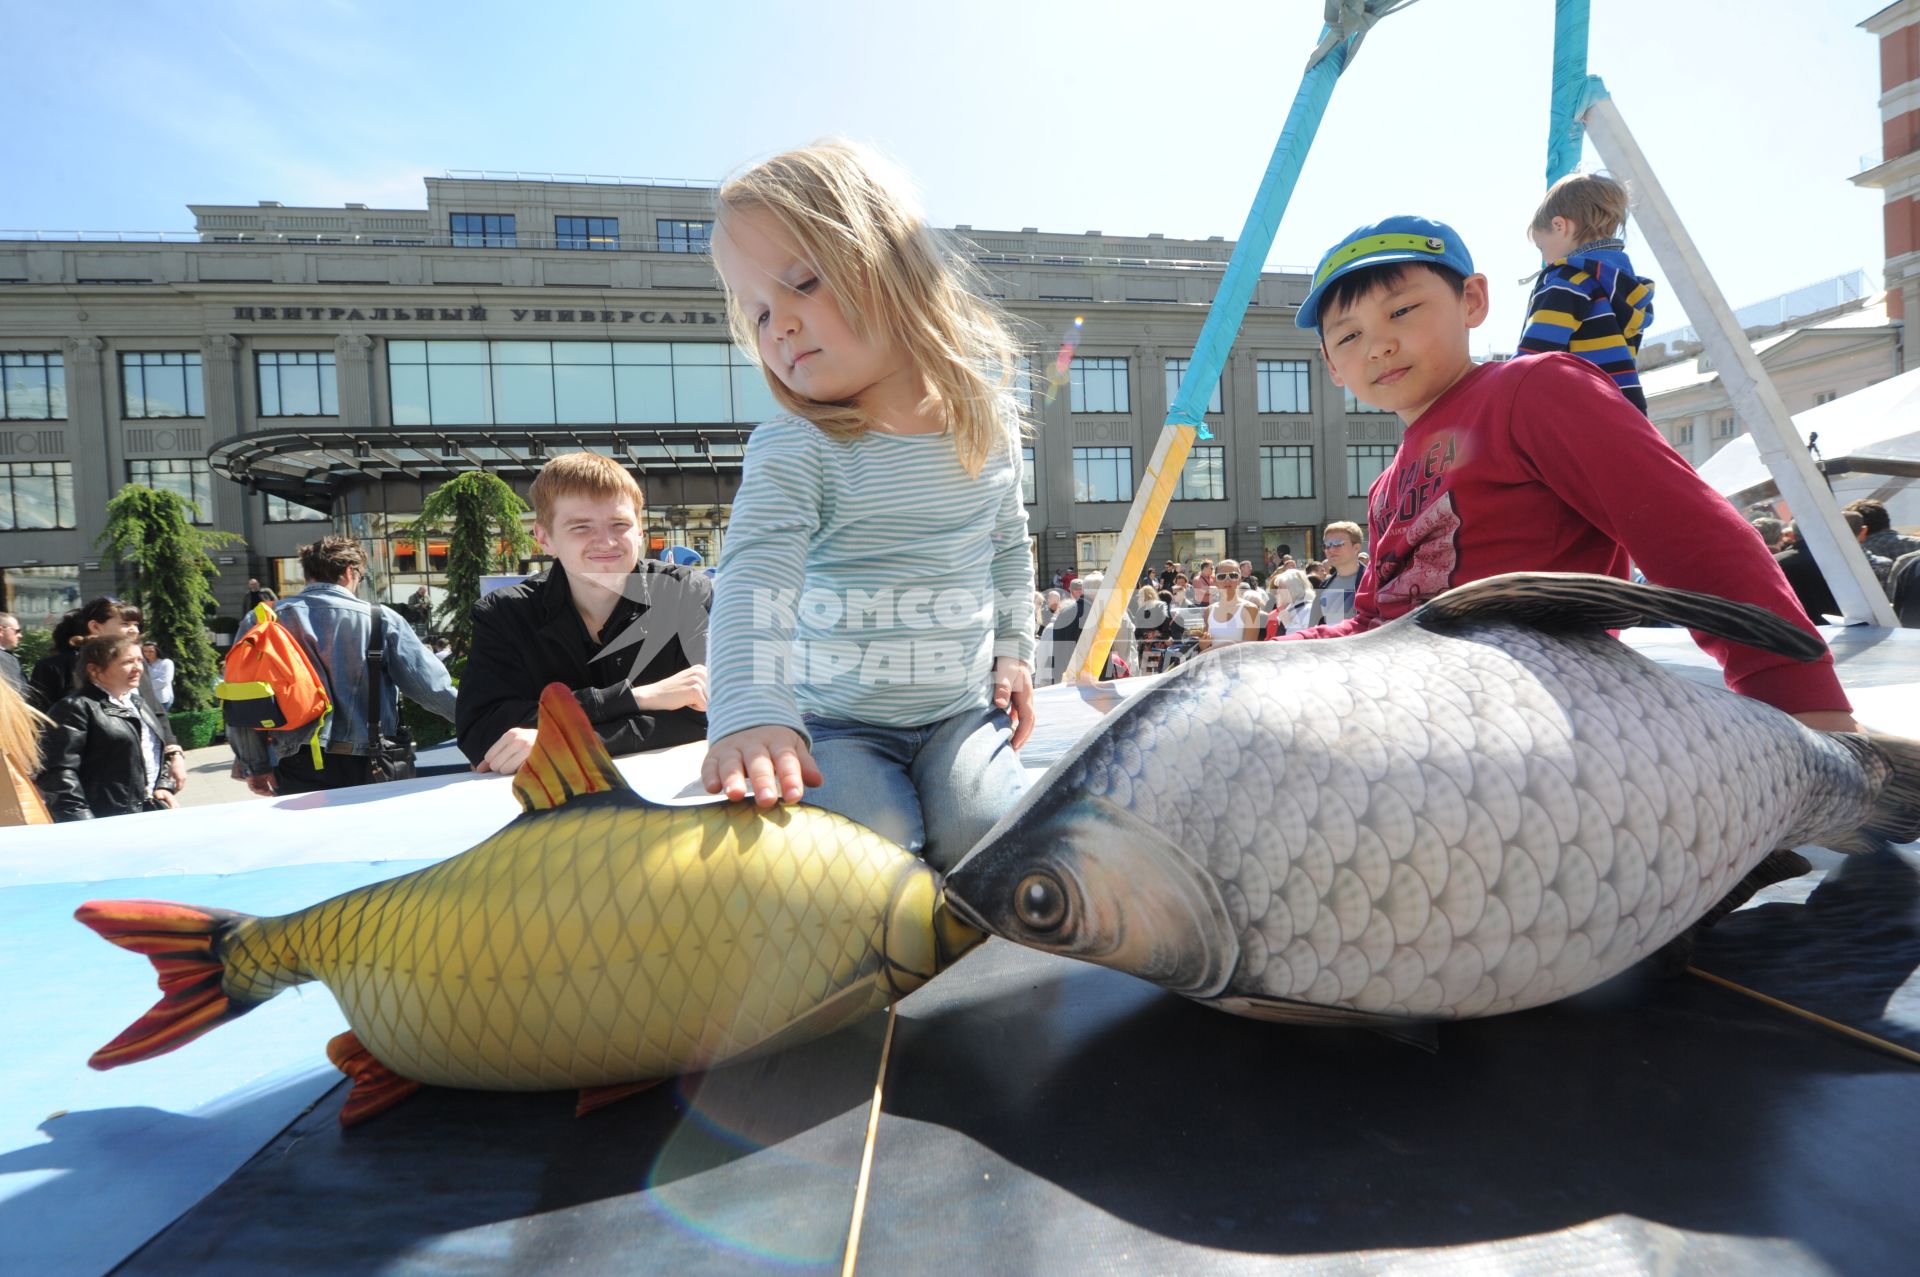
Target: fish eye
x: 1040, y: 903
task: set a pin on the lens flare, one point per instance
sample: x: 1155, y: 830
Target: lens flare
x: 1057, y: 376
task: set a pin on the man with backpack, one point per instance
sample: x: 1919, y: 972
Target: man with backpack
x: 291, y: 737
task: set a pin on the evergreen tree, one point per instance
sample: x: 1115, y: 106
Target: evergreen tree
x: 481, y: 515
x: 167, y: 572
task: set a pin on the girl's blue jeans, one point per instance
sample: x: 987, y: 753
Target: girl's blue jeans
x: 935, y: 790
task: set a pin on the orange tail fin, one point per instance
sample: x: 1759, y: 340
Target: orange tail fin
x: 183, y: 943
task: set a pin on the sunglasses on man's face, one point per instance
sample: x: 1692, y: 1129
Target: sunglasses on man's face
x: 1336, y: 545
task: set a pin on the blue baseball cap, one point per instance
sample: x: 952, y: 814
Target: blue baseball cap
x: 1393, y: 239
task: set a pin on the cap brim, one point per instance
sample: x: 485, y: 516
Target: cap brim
x: 1308, y: 316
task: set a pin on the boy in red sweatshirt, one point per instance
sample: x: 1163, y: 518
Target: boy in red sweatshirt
x: 1534, y: 464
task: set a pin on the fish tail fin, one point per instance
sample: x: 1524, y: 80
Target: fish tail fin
x: 186, y: 946
x: 1895, y: 814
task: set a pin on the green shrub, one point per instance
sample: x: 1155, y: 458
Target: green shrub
x: 428, y: 727
x: 34, y: 646
x: 196, y: 728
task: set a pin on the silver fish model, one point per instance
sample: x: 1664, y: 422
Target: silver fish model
x: 1486, y: 805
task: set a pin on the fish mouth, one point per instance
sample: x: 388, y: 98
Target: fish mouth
x: 967, y: 913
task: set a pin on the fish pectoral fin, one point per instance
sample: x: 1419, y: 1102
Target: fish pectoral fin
x: 1421, y: 1033
x: 568, y: 761
x: 854, y: 1002
x: 376, y: 1088
x: 1781, y: 864
x: 1564, y: 602
x: 598, y: 1097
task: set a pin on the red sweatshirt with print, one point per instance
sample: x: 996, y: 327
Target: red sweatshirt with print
x: 1539, y: 465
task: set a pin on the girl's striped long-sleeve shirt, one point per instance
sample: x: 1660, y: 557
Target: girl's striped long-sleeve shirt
x: 871, y: 579
x: 1591, y: 304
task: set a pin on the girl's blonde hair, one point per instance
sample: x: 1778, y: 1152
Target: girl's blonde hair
x: 1299, y: 589
x: 1593, y: 202
x: 20, y: 728
x: 856, y: 222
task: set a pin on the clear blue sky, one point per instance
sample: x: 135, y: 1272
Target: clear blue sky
x: 1124, y: 115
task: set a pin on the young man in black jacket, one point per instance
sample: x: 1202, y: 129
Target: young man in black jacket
x: 629, y: 638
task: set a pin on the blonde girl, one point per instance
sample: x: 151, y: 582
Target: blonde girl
x: 20, y: 728
x: 871, y: 641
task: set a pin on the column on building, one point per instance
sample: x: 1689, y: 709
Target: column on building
x: 1896, y: 171
x: 353, y: 369
x: 95, y: 446
x: 220, y: 369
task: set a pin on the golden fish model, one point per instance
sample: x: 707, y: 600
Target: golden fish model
x: 599, y: 941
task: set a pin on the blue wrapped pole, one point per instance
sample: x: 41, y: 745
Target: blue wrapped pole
x: 1256, y: 237
x: 1347, y: 24
x: 1570, y: 92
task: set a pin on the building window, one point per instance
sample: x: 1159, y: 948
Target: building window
x: 281, y: 510
x: 1365, y: 463
x: 1355, y: 406
x: 483, y: 230
x: 507, y: 383
x: 192, y: 480
x: 1683, y: 434
x: 1286, y: 471
x: 678, y: 235
x: 33, y: 386
x: 1102, y: 474
x: 1283, y: 385
x: 1028, y: 490
x: 1093, y: 551
x: 35, y: 495
x: 1176, y: 369
x: 1723, y: 427
x: 1825, y: 396
x: 1099, y: 385
x: 597, y: 233
x: 297, y: 383
x: 161, y: 384
x: 1204, y: 476
x: 40, y: 595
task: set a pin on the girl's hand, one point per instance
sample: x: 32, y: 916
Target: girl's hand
x: 1013, y: 692
x: 768, y: 764
x: 1829, y: 720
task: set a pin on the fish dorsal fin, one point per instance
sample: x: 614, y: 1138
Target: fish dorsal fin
x: 568, y: 759
x: 1563, y: 602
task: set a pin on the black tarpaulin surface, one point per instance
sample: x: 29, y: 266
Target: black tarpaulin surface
x: 1043, y: 1116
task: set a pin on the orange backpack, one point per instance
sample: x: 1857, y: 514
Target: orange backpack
x: 271, y: 685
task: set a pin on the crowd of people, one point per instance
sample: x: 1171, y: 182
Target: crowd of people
x: 1894, y: 557
x: 823, y: 664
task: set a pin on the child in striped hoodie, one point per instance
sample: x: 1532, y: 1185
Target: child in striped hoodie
x: 1586, y: 299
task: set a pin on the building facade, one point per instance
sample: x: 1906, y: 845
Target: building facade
x: 1895, y: 170
x: 1812, y: 358
x: 294, y: 368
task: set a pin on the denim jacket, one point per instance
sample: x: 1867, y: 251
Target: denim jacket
x: 332, y: 625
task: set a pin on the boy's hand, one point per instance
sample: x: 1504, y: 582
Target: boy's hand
x: 509, y: 752
x: 685, y: 690
x: 1830, y: 720
x: 768, y: 764
x: 1013, y: 692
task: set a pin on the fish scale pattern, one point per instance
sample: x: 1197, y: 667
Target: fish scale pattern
x: 602, y: 942
x: 1439, y: 826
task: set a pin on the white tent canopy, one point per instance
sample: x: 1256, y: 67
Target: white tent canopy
x: 1869, y: 445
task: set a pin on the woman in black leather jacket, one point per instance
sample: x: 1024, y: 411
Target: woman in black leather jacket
x: 106, y: 754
